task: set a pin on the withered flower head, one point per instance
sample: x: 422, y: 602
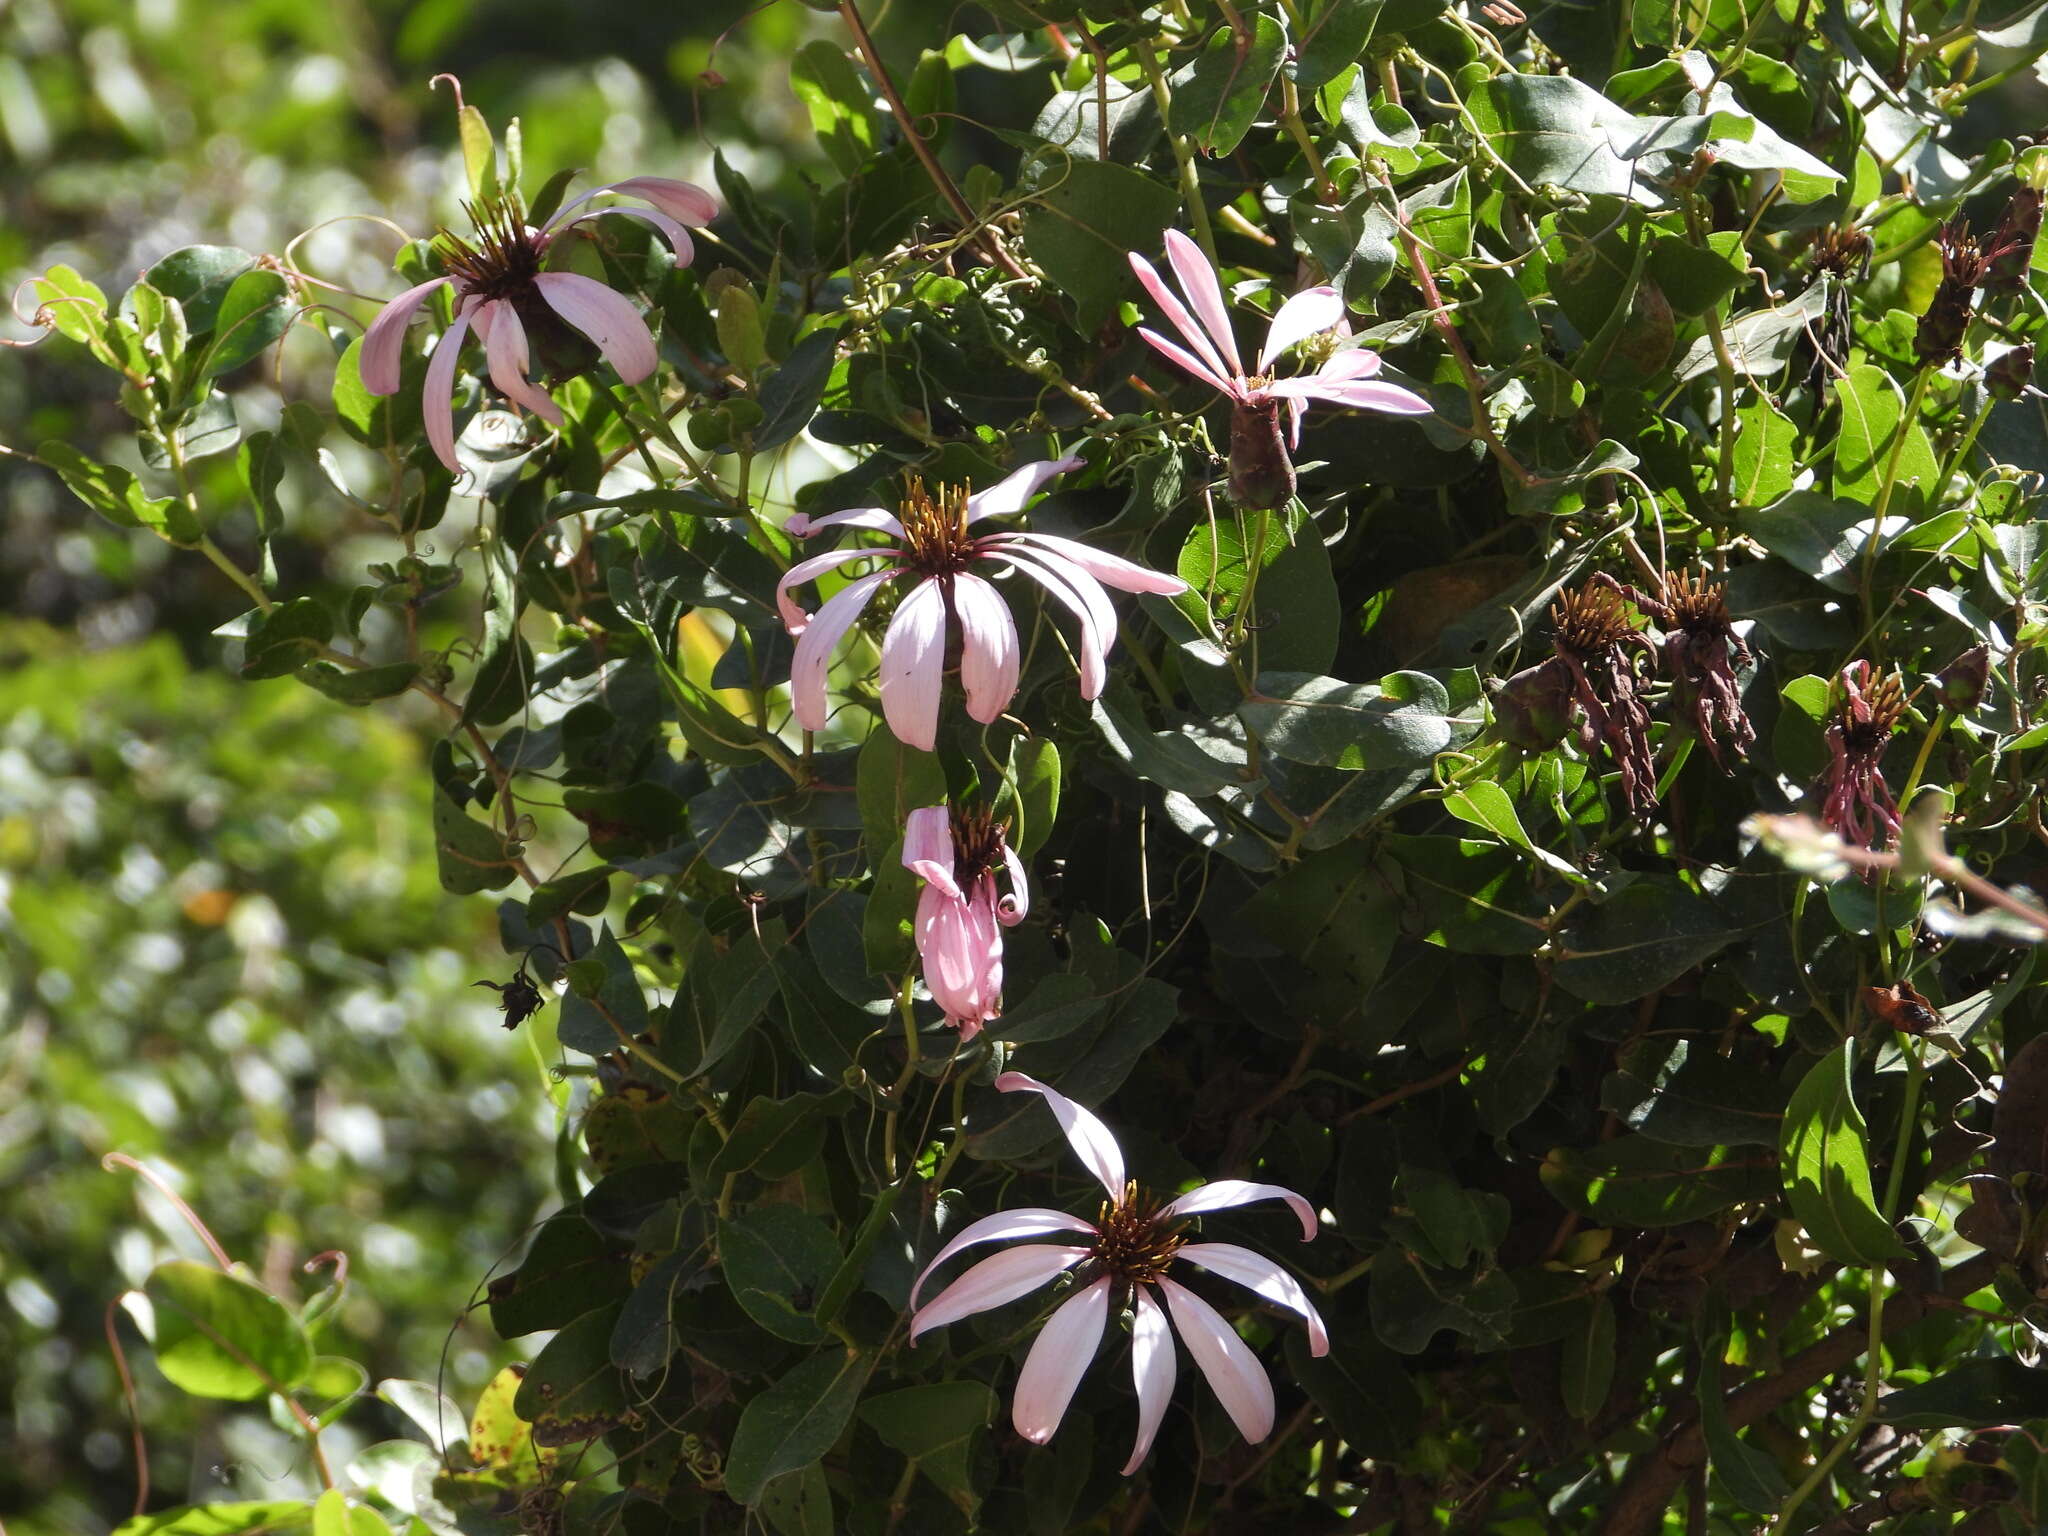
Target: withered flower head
x: 1701, y: 653
x: 518, y: 999
x: 1605, y: 653
x: 1837, y: 250
x: 2013, y: 242
x: 1962, y: 681
x: 1967, y: 264
x: 2011, y: 373
x: 1859, y: 804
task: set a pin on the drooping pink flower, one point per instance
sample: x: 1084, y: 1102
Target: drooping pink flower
x: 502, y: 293
x: 1126, y: 1251
x: 1261, y: 471
x: 960, y: 916
x: 939, y: 548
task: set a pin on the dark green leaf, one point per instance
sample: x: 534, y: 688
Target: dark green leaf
x: 795, y: 1421
x: 1826, y: 1158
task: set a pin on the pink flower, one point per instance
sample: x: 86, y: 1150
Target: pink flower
x: 939, y: 549
x: 504, y: 295
x: 1262, y: 474
x: 1131, y: 1244
x: 960, y: 918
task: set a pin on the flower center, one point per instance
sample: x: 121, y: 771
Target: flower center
x: 977, y: 843
x: 1133, y: 1242
x: 501, y: 262
x: 1698, y: 605
x: 935, y: 537
x: 1590, y: 620
x: 1872, y: 711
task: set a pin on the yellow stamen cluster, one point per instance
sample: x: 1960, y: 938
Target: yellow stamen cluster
x: 935, y: 537
x: 1133, y: 1243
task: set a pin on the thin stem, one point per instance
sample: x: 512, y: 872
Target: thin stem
x: 1290, y: 114
x: 1907, y: 420
x: 241, y: 578
x: 1190, y: 174
x: 1941, y: 723
x: 155, y: 1180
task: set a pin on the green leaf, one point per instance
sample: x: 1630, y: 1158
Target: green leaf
x: 1485, y: 804
x: 1331, y: 43
x: 117, y: 496
x: 572, y: 1392
x: 359, y: 685
x: 333, y: 1515
x: 220, y: 1335
x: 1336, y: 914
x: 472, y: 855
x: 1645, y: 935
x: 890, y: 781
x: 773, y: 1137
x: 1761, y: 340
x: 1030, y: 795
x: 789, y: 399
x: 604, y: 1000
x: 1402, y: 721
x: 742, y: 332
x: 1217, y: 98
x: 431, y: 1410
x: 1969, y: 1394
x: 286, y: 636
x: 1632, y: 1181
x: 1588, y: 1371
x: 248, y: 1519
x: 844, y: 1280
x: 77, y: 307
x: 1826, y: 1162
x: 936, y: 1426
x: 775, y: 1258
x: 200, y: 277
x: 256, y: 310
x: 1084, y: 220
x: 1167, y: 758
x: 840, y: 102
x: 794, y: 1422
x: 1764, y: 466
x: 1753, y: 1479
x: 1872, y: 408
x: 570, y: 1268
x: 479, y: 153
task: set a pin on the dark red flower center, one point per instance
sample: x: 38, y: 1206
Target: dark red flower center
x: 977, y: 843
x: 1133, y: 1242
x: 503, y: 258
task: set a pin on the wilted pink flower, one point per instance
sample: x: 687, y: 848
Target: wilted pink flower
x: 1132, y: 1243
x: 1261, y: 473
x: 1701, y: 652
x: 940, y: 549
x: 1858, y: 803
x: 960, y: 918
x: 1605, y: 655
x: 503, y: 294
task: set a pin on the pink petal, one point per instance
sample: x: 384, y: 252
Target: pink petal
x: 683, y: 201
x: 1351, y: 363
x: 1223, y: 364
x: 928, y: 848
x: 1061, y: 584
x: 794, y: 618
x: 1152, y: 1369
x: 961, y: 950
x: 1205, y: 296
x: 677, y: 237
x: 607, y: 318
x: 1026, y: 1221
x: 1234, y: 1372
x: 994, y: 1281
x: 1111, y: 570
x: 378, y: 362
x: 1358, y: 394
x: 1017, y: 905
x: 1182, y: 358
x: 1226, y: 1194
x: 1014, y: 491
x: 436, y: 403
x: 799, y: 525
x: 989, y: 654
x: 914, y: 666
x: 1088, y: 1136
x: 1308, y: 313
x: 815, y: 645
x: 505, y: 352
x: 1062, y: 1353
x: 1258, y: 1273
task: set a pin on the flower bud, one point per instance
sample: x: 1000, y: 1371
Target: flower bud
x: 2008, y: 375
x: 1533, y: 709
x: 2013, y: 244
x: 1961, y: 683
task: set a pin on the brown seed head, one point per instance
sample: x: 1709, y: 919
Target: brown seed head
x: 1133, y: 1243
x: 504, y: 258
x: 1590, y: 620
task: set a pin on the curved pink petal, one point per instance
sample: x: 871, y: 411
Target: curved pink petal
x: 1308, y: 313
x: 1110, y: 570
x: 1059, y: 1357
x: 1205, y: 296
x: 1026, y: 1221
x: 1152, y: 1371
x: 914, y: 666
x: 794, y: 618
x: 928, y: 848
x: 989, y: 654
x: 1351, y: 363
x: 995, y: 1281
x: 683, y: 201
x: 1358, y: 394
x: 1016, y: 906
x: 1014, y: 491
x: 1258, y: 1273
x: 1210, y: 362
x: 436, y: 396
x: 1088, y: 1136
x: 800, y: 525
x: 1234, y: 1372
x: 607, y: 318
x: 1064, y: 585
x: 1225, y: 1194
x: 678, y: 238
x: 961, y: 950
x: 815, y: 645
x: 1181, y: 358
x: 506, y: 354
x: 379, y: 362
